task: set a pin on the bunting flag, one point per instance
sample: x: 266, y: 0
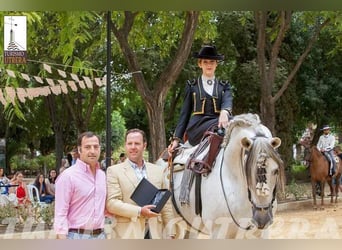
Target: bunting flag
x: 38, y: 79
x: 56, y: 89
x: 63, y: 86
x: 10, y: 73
x: 45, y: 91
x: 74, y: 77
x: 81, y: 83
x: 55, y: 86
x: 50, y: 82
x: 26, y: 77
x: 30, y: 93
x: 2, y: 98
x: 21, y: 94
x: 10, y: 92
x: 61, y: 73
x: 72, y: 85
x: 88, y: 82
x: 47, y: 68
x: 98, y: 82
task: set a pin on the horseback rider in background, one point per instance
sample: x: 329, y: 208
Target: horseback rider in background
x: 326, y: 145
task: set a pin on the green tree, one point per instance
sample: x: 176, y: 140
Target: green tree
x: 272, y: 28
x: 168, y: 38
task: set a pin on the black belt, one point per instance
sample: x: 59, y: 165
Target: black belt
x: 86, y: 231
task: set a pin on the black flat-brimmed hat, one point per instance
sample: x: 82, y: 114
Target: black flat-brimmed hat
x: 325, y: 127
x: 208, y: 52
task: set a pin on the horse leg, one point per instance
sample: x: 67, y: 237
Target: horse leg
x: 337, y: 187
x: 322, y: 194
x: 313, y: 186
x: 332, y: 190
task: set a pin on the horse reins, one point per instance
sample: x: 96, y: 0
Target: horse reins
x: 173, y: 199
x: 226, y: 199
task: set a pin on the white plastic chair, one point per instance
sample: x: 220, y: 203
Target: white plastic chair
x: 34, y: 196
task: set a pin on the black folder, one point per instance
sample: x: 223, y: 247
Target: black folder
x: 147, y: 194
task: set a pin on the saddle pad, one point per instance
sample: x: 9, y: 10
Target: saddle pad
x: 183, y: 155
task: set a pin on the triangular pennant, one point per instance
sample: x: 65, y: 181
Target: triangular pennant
x: 98, y: 81
x: 47, y: 68
x: 61, y: 73
x: 88, y: 82
x: 104, y: 80
x: 2, y: 99
x: 38, y: 79
x: 74, y: 77
x: 45, y: 90
x: 72, y: 85
x: 21, y: 94
x: 81, y: 83
x: 56, y: 89
x: 50, y: 81
x: 10, y: 92
x: 10, y: 73
x: 30, y: 93
x: 40, y: 91
x: 63, y: 86
x: 35, y: 92
x: 26, y: 77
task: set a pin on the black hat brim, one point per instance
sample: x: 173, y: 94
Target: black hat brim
x: 211, y: 57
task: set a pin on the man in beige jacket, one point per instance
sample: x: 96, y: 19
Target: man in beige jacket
x: 132, y: 221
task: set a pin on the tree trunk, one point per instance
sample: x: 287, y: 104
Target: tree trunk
x: 157, y: 141
x: 154, y: 98
x: 267, y: 109
x: 57, y: 128
x: 59, y: 145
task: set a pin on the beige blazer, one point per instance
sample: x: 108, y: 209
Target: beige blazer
x: 127, y: 224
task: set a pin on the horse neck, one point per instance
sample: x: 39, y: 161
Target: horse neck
x: 233, y: 163
x: 317, y: 154
x: 316, y: 157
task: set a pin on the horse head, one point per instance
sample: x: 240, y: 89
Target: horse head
x: 262, y: 170
x: 261, y: 164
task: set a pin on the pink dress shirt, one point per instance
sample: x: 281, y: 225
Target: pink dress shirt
x: 80, y: 198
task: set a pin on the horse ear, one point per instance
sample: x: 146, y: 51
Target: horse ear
x: 246, y: 143
x: 275, y: 142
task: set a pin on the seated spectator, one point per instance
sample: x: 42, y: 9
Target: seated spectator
x: 5, y: 197
x: 4, y: 181
x: 20, y: 189
x: 50, y: 181
x: 44, y: 193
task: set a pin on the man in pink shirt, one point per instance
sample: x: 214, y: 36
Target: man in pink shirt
x: 81, y: 194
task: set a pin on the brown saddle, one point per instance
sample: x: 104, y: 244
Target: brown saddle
x: 202, y: 164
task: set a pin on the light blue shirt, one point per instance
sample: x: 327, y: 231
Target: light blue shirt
x: 139, y: 172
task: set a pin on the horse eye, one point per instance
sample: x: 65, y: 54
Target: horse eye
x: 275, y: 172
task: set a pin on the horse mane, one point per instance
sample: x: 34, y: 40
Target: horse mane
x: 242, y: 120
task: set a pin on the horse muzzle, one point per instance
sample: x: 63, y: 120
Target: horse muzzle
x: 262, y: 216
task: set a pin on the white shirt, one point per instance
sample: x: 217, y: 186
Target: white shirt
x: 326, y: 142
x: 208, y: 87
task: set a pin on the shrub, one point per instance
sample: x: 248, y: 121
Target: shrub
x: 298, y: 191
x: 299, y: 172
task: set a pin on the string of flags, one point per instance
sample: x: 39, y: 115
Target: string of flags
x: 55, y: 86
